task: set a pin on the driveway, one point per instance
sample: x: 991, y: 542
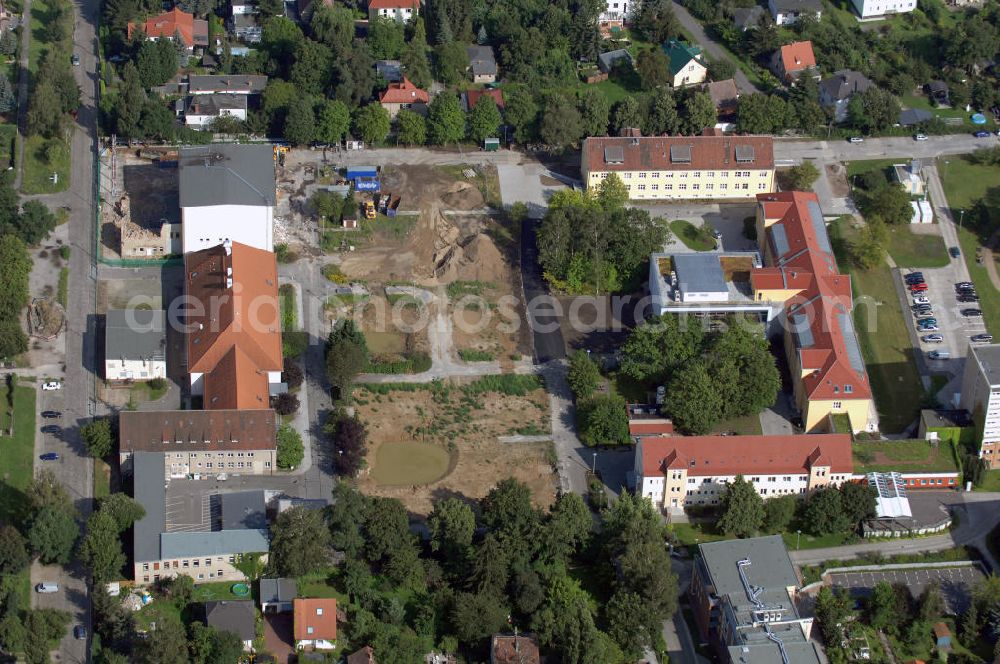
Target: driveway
x: 693, y: 27
x: 278, y: 636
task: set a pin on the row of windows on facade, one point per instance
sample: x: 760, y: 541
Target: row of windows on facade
x: 222, y: 464
x: 676, y: 475
x: 627, y: 175
x: 709, y: 186
x: 209, y: 455
x: 190, y: 562
x: 712, y: 492
x: 211, y: 575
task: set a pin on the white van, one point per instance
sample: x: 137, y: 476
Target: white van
x: 47, y: 588
x: 939, y: 355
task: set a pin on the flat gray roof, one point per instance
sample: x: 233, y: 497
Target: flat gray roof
x: 150, y: 491
x: 770, y: 567
x: 699, y: 272
x: 135, y: 334
x: 243, y: 510
x: 227, y: 174
x: 989, y: 362
x: 213, y: 543
x: 215, y: 83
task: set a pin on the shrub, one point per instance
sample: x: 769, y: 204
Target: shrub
x: 290, y: 448
x: 286, y: 404
x: 291, y: 374
x: 333, y: 273
x: 294, y: 343
x: 64, y: 252
x: 473, y: 355
x: 157, y: 384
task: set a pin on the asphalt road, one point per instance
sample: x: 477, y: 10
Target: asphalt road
x: 903, y: 147
x: 548, y: 338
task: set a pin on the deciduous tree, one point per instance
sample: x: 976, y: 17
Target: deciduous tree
x: 445, y: 119
x: 299, y: 541
x: 484, y: 120
x: 411, y: 128
x: 290, y: 448
x: 742, y: 509
x: 371, y: 123
x: 97, y: 437
x: 101, y: 549
x: 603, y: 421
x: 802, y: 176
x: 583, y: 375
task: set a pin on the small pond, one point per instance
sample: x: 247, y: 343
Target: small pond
x: 406, y: 464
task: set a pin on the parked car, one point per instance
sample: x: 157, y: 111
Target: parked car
x: 981, y: 338
x: 920, y: 299
x: 918, y: 288
x: 972, y: 313
x: 80, y: 632
x: 939, y: 355
x: 75, y: 60
x: 51, y: 385
x: 920, y: 137
x: 955, y: 252
x: 928, y: 328
x: 49, y: 456
x: 982, y: 134
x: 46, y: 587
x: 856, y: 139
x: 717, y: 234
x: 51, y: 428
x: 923, y: 315
x: 968, y: 299
x: 964, y: 284
x: 51, y: 414
x: 927, y: 321
x: 932, y: 339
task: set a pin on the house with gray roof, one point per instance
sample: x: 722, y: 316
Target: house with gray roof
x: 788, y: 12
x: 607, y: 61
x: 201, y: 111
x: 184, y: 539
x: 227, y: 193
x: 748, y: 18
x: 276, y: 595
x: 135, y: 345
x: 235, y: 616
x: 836, y: 91
x: 482, y: 63
x: 743, y: 593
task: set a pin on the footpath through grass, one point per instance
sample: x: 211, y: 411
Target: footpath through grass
x: 883, y: 336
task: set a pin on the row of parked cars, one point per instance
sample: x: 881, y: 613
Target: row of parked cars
x: 923, y: 311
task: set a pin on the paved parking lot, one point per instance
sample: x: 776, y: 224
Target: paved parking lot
x: 956, y: 583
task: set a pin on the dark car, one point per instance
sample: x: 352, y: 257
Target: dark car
x: 964, y: 284
x: 51, y: 414
x: 982, y: 134
x: 955, y: 252
x: 49, y: 456
x: 968, y: 299
x: 914, y: 276
x: 51, y: 428
x: 972, y: 313
x: 80, y: 632
x: 982, y: 338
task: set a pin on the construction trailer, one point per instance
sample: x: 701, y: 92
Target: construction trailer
x: 364, y: 178
x: 491, y: 144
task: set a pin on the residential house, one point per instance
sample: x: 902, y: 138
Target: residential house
x: 912, y: 117
x: 233, y: 326
x: 482, y: 63
x: 201, y: 442
x: 175, y: 23
x: 165, y: 549
x: 981, y: 397
x: 687, y: 67
x: 237, y: 7
x: 725, y: 95
x: 363, y: 656
x: 514, y: 649
x: 228, y: 84
x: 680, y: 471
x: 202, y: 111
x: 787, y: 12
x: 613, y: 16
x: 748, y: 18
x: 244, y: 23
x: 315, y: 623
x: 607, y: 61
x: 682, y: 167
x: 277, y: 595
x: 390, y: 71
x: 908, y: 175
x: 135, y: 342
x: 939, y: 93
x: 235, y: 616
x: 836, y: 91
x: 397, y: 10
x: 744, y: 594
x: 404, y: 95
x: 824, y: 357
x: 471, y: 97
x: 868, y: 9
x: 227, y: 193
x: 793, y: 60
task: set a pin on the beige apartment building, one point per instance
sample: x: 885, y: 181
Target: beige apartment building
x: 202, y: 442
x: 682, y: 167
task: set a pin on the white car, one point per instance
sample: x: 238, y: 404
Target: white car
x: 920, y: 137
x: 920, y: 299
x: 51, y: 385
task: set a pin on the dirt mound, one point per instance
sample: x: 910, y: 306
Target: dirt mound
x: 477, y: 258
x: 462, y: 196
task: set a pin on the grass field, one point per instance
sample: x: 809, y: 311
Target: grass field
x: 748, y: 425
x: 17, y: 460
x: 867, y: 165
x: 910, y: 250
x: 319, y: 584
x: 883, y: 336
x: 698, y: 533
x: 410, y: 463
x: 903, y: 456
x: 63, y: 289
x: 8, y: 134
x: 38, y: 171
x: 289, y: 308
x: 693, y: 237
x: 102, y: 479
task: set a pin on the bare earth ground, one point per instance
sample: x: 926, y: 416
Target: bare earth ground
x: 153, y: 196
x: 836, y: 175
x: 375, y: 316
x: 479, y: 461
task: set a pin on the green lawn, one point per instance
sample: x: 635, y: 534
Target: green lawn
x: 965, y: 182
x: 867, y: 165
x: 289, y: 308
x: 689, y: 534
x: 748, y: 425
x: 38, y: 172
x: 883, y: 336
x: 63, y: 290
x: 17, y: 460
x: 207, y: 592
x: 911, y: 250
x: 318, y: 584
x: 991, y: 482
x: 102, y: 479
x: 8, y: 134
x: 921, y: 102
x: 694, y: 237
x: 989, y: 297
x: 903, y: 456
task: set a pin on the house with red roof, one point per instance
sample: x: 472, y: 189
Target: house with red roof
x: 674, y: 472
x: 793, y: 60
x: 404, y: 94
x: 828, y: 371
x: 174, y: 24
x: 314, y: 623
x: 397, y: 10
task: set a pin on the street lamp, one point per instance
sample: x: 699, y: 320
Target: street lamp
x: 798, y: 533
x: 946, y: 162
x: 961, y: 218
x: 593, y: 470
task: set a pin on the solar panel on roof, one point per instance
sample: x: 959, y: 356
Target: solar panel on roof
x: 802, y: 332
x: 744, y: 153
x: 816, y: 216
x: 614, y: 154
x: 680, y: 154
x: 780, y: 239
x: 850, y: 340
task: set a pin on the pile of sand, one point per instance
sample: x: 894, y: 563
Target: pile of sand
x: 462, y: 196
x: 475, y: 259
